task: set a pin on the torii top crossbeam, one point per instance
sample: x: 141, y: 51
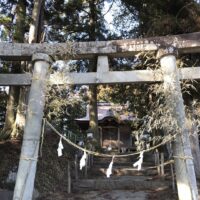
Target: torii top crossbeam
x: 185, y: 43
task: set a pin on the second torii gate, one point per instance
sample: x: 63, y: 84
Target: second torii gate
x: 166, y: 48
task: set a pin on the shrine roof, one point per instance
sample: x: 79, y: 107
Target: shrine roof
x: 107, y: 110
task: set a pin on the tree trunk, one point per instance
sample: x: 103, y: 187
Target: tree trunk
x: 35, y: 27
x: 21, y: 111
x: 34, y: 37
x: 93, y: 112
x: 19, y: 28
x: 11, y: 108
x: 93, y: 123
x: 9, y: 129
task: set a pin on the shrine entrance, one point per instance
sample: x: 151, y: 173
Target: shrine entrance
x: 41, y: 54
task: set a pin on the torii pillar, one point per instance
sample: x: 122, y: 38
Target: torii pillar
x: 184, y: 166
x: 29, y: 153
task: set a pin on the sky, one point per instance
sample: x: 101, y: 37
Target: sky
x: 115, y: 9
x: 109, y: 12
x: 108, y: 17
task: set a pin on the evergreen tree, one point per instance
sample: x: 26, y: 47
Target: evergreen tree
x: 156, y: 17
x: 18, y: 19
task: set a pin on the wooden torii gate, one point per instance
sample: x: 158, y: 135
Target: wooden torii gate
x: 40, y: 54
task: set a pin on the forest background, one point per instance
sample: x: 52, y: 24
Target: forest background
x: 51, y: 21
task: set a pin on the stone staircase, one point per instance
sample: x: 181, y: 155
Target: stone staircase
x: 124, y: 178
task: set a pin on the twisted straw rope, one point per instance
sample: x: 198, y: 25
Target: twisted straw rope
x: 168, y: 139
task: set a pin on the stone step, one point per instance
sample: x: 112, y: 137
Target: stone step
x: 101, y: 195
x: 117, y: 160
x: 118, y: 164
x: 120, y: 171
x: 106, y: 164
x: 8, y: 195
x: 148, y: 157
x: 124, y: 171
x: 135, y: 183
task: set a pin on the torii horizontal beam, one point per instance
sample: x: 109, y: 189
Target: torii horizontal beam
x: 185, y: 43
x: 15, y: 79
x: 111, y: 77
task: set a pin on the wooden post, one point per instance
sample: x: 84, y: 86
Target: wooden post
x: 118, y: 139
x: 29, y: 153
x: 157, y: 161
x: 86, y: 167
x: 184, y: 167
x: 76, y: 167
x: 92, y: 160
x: 88, y: 161
x: 162, y: 169
x: 68, y: 178
x: 101, y: 136
x: 131, y: 143
x: 173, y: 178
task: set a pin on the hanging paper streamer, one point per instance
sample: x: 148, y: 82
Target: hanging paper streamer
x: 60, y: 147
x: 109, y: 170
x: 83, y: 160
x: 139, y: 162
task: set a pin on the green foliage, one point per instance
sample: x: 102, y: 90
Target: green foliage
x: 64, y: 104
x: 157, y: 17
x: 72, y: 20
x: 82, y: 20
x: 14, y: 18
